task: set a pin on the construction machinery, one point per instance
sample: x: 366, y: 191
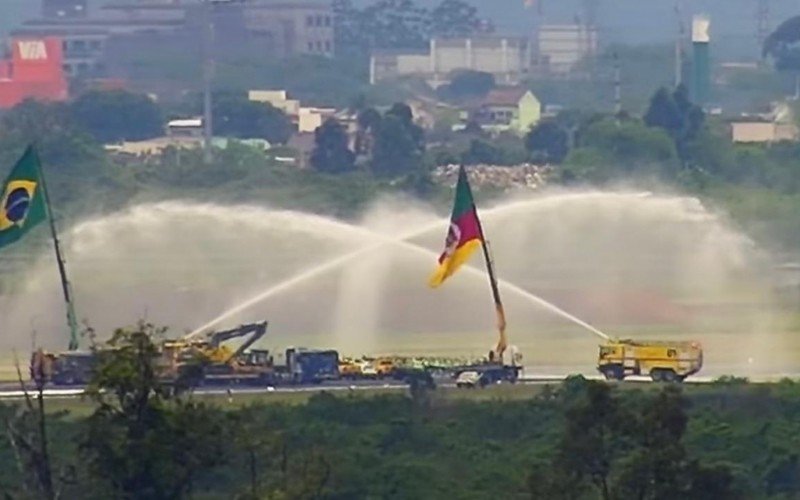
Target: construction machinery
x: 662, y: 361
x: 206, y: 360
x: 210, y: 360
x: 69, y: 368
x: 309, y: 366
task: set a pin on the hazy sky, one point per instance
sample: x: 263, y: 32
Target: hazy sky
x: 627, y: 21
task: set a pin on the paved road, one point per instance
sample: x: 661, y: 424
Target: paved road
x: 12, y: 391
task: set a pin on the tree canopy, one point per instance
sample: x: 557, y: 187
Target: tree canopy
x: 678, y: 116
x: 467, y: 84
x: 783, y: 45
x: 118, y: 115
x: 237, y: 116
x: 331, y: 150
x: 547, y: 142
x: 399, y: 143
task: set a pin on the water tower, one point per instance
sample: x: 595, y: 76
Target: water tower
x: 701, y: 60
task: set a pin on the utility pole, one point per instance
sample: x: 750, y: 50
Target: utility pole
x: 617, y: 87
x: 208, y: 74
x: 679, y: 45
x: 589, y: 31
x: 762, y: 23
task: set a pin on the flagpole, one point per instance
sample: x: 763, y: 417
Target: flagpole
x: 62, y: 268
x: 502, y: 342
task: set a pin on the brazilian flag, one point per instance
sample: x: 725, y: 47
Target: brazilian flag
x: 22, y: 199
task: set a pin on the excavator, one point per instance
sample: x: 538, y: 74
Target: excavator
x: 194, y: 361
x: 209, y: 360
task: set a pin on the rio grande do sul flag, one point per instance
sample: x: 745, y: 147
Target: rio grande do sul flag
x: 22, y: 203
x: 464, y: 235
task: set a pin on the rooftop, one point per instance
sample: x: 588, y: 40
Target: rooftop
x: 505, y: 96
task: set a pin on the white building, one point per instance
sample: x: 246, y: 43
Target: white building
x: 507, y: 58
x: 277, y: 99
x: 563, y: 46
x: 776, y: 126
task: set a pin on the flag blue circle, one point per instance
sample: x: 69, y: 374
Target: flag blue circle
x: 18, y: 202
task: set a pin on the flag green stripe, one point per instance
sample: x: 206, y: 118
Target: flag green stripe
x: 463, y: 202
x: 26, y: 169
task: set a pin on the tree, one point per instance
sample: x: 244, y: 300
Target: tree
x: 118, y: 115
x: 468, y: 84
x: 388, y: 24
x: 60, y: 140
x: 783, y: 45
x: 657, y: 468
x: 547, y: 142
x: 142, y: 440
x: 453, y: 19
x: 74, y: 163
x: 399, y: 143
x: 678, y: 116
x: 237, y: 116
x: 663, y: 112
x: 27, y: 430
x: 368, y: 121
x: 592, y: 439
x: 630, y: 144
x: 331, y: 153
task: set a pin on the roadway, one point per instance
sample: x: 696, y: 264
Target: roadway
x: 12, y: 391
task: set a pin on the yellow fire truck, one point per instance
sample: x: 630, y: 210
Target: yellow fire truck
x: 662, y: 361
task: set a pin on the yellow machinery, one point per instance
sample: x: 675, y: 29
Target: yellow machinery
x: 662, y: 361
x: 349, y: 368
x: 384, y: 367
x: 211, y: 353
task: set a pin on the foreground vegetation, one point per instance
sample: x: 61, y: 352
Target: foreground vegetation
x: 578, y: 440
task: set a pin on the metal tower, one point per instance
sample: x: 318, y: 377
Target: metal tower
x: 762, y: 23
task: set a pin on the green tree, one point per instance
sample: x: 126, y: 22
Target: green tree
x: 663, y: 112
x: 142, y: 440
x: 74, y: 163
x: 399, y: 143
x: 678, y: 116
x: 237, y: 116
x: 118, y: 115
x: 390, y: 24
x: 331, y: 152
x: 657, y: 468
x: 468, y: 84
x: 629, y: 143
x: 783, y: 45
x: 592, y: 440
x: 453, y: 19
x: 547, y: 142
x: 368, y: 121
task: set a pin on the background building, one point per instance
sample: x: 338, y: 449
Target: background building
x: 111, y: 37
x: 508, y: 109
x: 561, y: 47
x: 507, y: 58
x: 59, y: 9
x: 34, y: 70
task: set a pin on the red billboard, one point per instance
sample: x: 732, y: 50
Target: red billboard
x: 35, y: 70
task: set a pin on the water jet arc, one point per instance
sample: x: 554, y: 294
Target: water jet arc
x: 401, y: 242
